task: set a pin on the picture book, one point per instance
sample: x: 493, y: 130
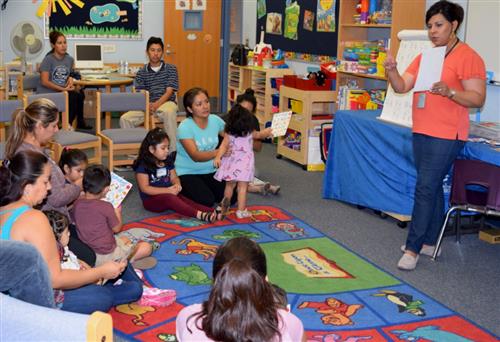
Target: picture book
x: 118, y: 189
x: 280, y: 123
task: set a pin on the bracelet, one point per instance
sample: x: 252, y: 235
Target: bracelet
x: 452, y: 93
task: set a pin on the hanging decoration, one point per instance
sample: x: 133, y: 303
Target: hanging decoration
x: 261, y: 8
x: 325, y: 21
x: 308, y: 20
x: 292, y: 13
x: 48, y: 7
x: 273, y: 23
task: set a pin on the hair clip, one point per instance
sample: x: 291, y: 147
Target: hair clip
x: 6, y: 163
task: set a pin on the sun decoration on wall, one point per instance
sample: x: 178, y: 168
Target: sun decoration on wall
x: 49, y: 6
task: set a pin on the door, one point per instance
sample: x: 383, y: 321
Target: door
x: 195, y: 53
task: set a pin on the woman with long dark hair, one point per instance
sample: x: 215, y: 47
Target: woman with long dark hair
x: 56, y: 75
x: 242, y: 305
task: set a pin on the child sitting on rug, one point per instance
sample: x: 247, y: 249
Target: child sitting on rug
x: 72, y: 163
x: 237, y: 168
x: 97, y: 221
x: 158, y: 183
x: 242, y: 305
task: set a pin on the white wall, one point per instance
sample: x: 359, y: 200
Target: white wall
x: 131, y: 50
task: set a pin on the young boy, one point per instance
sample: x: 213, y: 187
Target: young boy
x: 97, y: 221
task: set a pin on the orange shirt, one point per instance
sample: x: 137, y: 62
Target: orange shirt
x: 442, y: 117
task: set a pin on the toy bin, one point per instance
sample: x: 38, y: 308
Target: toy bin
x: 311, y: 84
x: 279, y: 83
x: 289, y: 80
x: 275, y: 99
x: 328, y: 73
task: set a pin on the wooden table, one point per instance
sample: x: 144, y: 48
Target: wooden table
x: 107, y: 83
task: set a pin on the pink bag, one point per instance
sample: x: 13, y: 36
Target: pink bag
x: 151, y: 296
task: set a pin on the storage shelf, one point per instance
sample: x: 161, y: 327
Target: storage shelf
x: 368, y: 25
x: 356, y: 74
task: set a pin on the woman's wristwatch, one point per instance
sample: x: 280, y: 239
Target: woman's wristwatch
x: 452, y: 93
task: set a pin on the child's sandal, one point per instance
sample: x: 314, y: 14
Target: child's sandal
x: 207, y: 216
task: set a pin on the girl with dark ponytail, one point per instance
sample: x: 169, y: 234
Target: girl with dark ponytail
x: 242, y: 305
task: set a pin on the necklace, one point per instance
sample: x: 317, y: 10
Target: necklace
x: 452, y: 47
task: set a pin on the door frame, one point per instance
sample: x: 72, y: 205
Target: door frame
x: 224, y: 53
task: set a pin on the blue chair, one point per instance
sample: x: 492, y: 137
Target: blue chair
x: 7, y: 109
x: 121, y: 142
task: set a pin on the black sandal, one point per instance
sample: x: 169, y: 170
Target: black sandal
x: 207, y: 216
x: 224, y: 206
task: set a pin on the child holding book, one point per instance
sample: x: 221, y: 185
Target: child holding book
x: 237, y: 168
x: 97, y: 221
x: 158, y: 183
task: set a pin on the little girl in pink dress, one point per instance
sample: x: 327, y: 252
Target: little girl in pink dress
x: 237, y: 168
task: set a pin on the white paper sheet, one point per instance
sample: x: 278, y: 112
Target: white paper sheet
x: 280, y: 123
x: 431, y: 67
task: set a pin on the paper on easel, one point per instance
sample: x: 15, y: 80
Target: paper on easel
x: 431, y: 67
x: 280, y: 123
x: 118, y: 190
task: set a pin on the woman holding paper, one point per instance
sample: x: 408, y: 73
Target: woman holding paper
x: 32, y: 129
x: 440, y: 123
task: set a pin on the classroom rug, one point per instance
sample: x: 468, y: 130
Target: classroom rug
x: 338, y: 295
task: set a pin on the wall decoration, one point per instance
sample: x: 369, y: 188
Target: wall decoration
x: 49, y: 6
x: 199, y: 5
x: 117, y: 19
x: 261, y: 8
x: 182, y: 5
x: 326, y: 16
x: 273, y: 23
x: 308, y: 20
x: 292, y: 13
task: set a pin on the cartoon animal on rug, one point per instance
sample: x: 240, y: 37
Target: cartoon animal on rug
x: 136, y: 311
x: 167, y: 337
x: 196, y: 247
x: 404, y: 302
x: 334, y: 311
x: 257, y: 212
x: 337, y: 338
x: 186, y: 223
x: 140, y: 234
x: 233, y: 233
x: 429, y: 333
x: 289, y: 228
x: 192, y: 275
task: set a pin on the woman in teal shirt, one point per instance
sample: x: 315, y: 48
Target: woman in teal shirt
x: 197, y: 142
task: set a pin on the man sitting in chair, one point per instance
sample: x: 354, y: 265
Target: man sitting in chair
x: 161, y: 81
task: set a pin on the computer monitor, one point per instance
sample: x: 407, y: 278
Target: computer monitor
x: 88, y: 56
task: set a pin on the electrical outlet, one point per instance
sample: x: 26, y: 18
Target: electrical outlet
x: 109, y: 48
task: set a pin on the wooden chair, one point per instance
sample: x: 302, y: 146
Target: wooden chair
x: 27, y: 83
x: 122, y: 141
x: 66, y: 137
x: 157, y: 122
x: 7, y: 109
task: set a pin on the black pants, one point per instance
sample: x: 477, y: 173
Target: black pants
x: 81, y: 250
x: 204, y: 189
x: 75, y: 104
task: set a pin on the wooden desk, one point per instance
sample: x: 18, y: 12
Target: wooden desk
x: 111, y: 81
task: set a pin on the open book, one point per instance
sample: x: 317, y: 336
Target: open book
x: 280, y: 123
x: 118, y: 189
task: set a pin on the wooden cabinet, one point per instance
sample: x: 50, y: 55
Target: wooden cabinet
x: 406, y: 14
x: 259, y: 79
x: 310, y: 112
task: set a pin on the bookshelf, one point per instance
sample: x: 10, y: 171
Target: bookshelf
x: 405, y: 15
x: 306, y: 117
x: 259, y: 79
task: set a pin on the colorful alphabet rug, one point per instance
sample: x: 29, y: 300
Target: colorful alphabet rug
x: 338, y: 295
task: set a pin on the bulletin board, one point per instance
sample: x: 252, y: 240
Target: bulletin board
x: 311, y: 42
x: 116, y: 19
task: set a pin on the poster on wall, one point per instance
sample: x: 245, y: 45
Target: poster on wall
x: 308, y: 20
x: 273, y: 23
x: 292, y: 13
x: 325, y: 18
x: 182, y: 5
x: 261, y: 8
x: 116, y: 19
x: 199, y: 5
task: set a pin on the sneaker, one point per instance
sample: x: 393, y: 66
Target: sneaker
x: 145, y: 263
x: 407, y: 262
x: 426, y: 250
x: 243, y: 214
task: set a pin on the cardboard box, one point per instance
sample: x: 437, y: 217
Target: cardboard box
x: 490, y: 235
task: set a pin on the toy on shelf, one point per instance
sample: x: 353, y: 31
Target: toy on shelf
x: 362, y: 57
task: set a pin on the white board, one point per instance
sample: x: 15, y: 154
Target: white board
x: 397, y: 107
x: 483, y: 32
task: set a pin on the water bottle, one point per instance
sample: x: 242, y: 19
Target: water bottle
x: 121, y: 67
x: 125, y: 68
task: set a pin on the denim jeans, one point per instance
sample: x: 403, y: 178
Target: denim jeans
x: 24, y: 274
x: 433, y: 159
x: 90, y: 298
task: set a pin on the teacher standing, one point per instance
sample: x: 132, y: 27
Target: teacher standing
x: 440, y: 123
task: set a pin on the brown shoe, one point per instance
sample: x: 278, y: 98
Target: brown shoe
x: 145, y: 263
x: 273, y: 189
